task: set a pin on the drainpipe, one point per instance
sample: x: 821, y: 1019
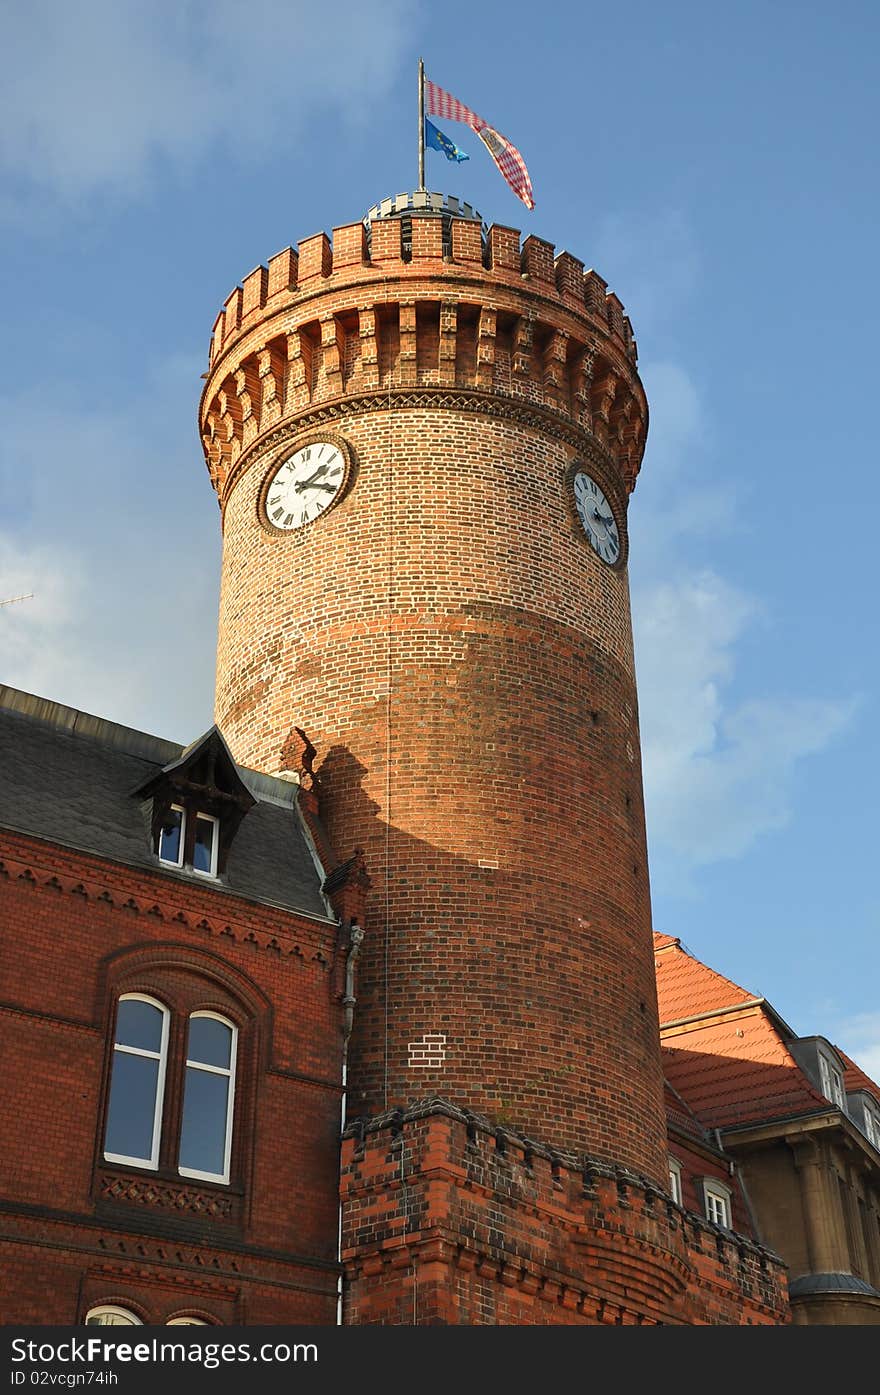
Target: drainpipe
x: 356, y: 938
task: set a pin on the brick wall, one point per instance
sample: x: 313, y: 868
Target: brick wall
x: 447, y: 1222
x: 461, y: 659
x: 77, y: 1230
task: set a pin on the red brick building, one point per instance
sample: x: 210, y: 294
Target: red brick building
x: 173, y: 983
x: 423, y: 437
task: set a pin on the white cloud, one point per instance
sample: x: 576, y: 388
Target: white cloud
x: 718, y: 776
x: 720, y: 763
x: 115, y: 532
x: 95, y: 93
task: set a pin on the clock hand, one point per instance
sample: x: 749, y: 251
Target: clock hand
x: 307, y: 484
x: 321, y: 470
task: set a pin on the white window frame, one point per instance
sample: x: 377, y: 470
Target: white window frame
x: 187, y: 1322
x: 872, y: 1127
x: 162, y: 1056
x: 831, y: 1082
x: 230, y: 1098
x: 110, y: 1310
x: 167, y: 861
x: 714, y: 1191
x: 675, y: 1186
x: 838, y: 1094
x: 215, y: 844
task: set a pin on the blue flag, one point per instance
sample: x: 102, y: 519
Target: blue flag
x: 437, y: 141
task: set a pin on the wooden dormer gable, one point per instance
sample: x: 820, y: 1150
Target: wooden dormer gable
x: 204, y: 779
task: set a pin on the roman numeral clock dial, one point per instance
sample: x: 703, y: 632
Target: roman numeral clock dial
x: 597, y: 518
x: 304, y: 485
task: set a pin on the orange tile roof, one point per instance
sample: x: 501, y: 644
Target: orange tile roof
x: 687, y: 988
x: 732, y: 1069
x: 738, y: 1070
x: 664, y: 941
x: 679, y: 1113
x: 854, y: 1077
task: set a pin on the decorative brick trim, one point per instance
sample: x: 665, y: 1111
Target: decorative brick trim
x: 122, y: 897
x: 181, y: 1200
x: 545, y: 419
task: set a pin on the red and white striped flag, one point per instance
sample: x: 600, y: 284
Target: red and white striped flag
x: 506, y: 156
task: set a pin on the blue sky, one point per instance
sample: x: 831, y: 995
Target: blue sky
x: 717, y: 165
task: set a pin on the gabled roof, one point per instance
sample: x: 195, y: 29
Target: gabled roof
x: 70, y: 778
x: 210, y: 748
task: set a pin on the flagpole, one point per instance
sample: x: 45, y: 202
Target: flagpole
x: 421, y: 125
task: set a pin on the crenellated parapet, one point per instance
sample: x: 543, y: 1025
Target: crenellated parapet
x: 450, y: 1219
x: 407, y: 310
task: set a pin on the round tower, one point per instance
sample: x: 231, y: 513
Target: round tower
x: 423, y: 437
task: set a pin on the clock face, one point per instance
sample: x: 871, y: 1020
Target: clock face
x: 597, y: 518
x: 304, y: 485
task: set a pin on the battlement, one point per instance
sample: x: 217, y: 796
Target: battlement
x: 416, y: 298
x: 396, y: 240
x: 496, y: 1228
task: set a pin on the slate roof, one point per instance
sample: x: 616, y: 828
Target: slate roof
x: 70, y: 778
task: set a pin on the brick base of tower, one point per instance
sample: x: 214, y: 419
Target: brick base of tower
x: 445, y: 1222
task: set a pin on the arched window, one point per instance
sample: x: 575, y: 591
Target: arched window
x: 108, y: 1315
x: 209, y: 1091
x: 137, y: 1082
x: 187, y: 1322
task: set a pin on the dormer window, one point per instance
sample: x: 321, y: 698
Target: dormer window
x: 831, y: 1082
x: 197, y: 852
x: 870, y: 1119
x: 197, y: 803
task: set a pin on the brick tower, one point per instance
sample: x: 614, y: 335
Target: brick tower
x: 423, y: 437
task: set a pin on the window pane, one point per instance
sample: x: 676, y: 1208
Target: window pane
x: 111, y: 1317
x: 203, y: 1133
x: 170, y: 835
x: 203, y: 847
x: 209, y: 1042
x: 132, y: 1106
x: 717, y: 1209
x: 139, y: 1024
